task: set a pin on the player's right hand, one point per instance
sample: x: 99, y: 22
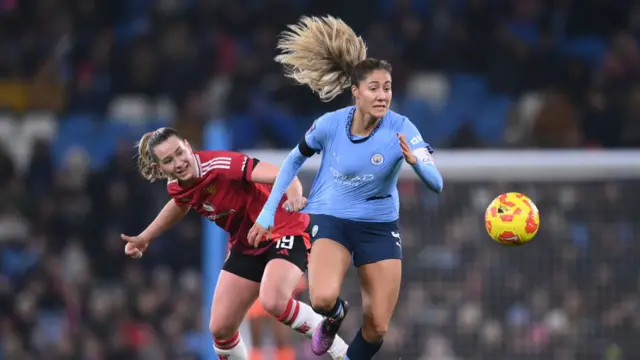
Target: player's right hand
x: 136, y: 245
x: 293, y: 205
x: 261, y: 229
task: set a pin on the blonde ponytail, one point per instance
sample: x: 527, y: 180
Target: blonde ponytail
x: 321, y: 53
x: 146, y: 163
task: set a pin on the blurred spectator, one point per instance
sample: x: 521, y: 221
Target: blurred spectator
x: 101, y: 51
x: 563, y: 73
x: 556, y: 126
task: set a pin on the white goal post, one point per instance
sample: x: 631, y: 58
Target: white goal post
x: 538, y: 165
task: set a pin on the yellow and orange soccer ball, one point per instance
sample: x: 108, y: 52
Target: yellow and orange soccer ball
x: 512, y: 219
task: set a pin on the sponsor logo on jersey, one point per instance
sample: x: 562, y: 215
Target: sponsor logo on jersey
x: 208, y: 207
x: 351, y: 180
x: 215, y: 217
x: 377, y: 159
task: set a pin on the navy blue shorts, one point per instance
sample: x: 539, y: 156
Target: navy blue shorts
x: 368, y: 242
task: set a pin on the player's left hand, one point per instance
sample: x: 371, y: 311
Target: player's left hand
x: 136, y: 245
x: 409, y: 156
x: 135, y: 251
x: 261, y: 230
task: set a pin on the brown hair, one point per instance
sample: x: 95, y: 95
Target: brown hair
x: 146, y: 158
x: 326, y: 55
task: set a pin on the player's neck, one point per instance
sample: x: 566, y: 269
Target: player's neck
x: 186, y: 183
x: 363, y: 125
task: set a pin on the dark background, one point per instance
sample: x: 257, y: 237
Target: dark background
x: 81, y: 80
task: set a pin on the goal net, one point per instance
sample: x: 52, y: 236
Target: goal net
x: 572, y: 293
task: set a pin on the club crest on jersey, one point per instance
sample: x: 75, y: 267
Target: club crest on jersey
x: 377, y: 159
x: 210, y: 189
x: 208, y: 207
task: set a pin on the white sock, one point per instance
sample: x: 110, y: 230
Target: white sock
x: 301, y: 318
x: 231, y: 349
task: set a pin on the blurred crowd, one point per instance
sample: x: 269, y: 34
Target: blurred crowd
x: 66, y: 289
x: 214, y: 59
x: 571, y: 294
x: 68, y: 292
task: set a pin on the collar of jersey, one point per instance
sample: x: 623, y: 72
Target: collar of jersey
x: 352, y: 113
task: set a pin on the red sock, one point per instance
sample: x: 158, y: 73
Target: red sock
x: 300, y: 317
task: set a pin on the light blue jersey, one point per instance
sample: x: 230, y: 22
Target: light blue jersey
x: 358, y: 175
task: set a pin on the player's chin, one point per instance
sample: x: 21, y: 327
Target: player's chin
x: 185, y: 177
x: 379, y: 111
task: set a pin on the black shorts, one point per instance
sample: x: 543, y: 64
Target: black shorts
x: 251, y: 267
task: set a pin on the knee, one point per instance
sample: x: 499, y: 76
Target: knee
x: 374, y: 330
x: 323, y: 301
x: 275, y: 302
x: 221, y: 331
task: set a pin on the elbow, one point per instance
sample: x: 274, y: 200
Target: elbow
x: 431, y: 177
x: 437, y: 185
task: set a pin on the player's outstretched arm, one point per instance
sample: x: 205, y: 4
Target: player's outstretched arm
x: 170, y: 215
x: 266, y: 173
x: 286, y: 175
x: 312, y: 143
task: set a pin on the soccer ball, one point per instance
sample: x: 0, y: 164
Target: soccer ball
x: 512, y: 219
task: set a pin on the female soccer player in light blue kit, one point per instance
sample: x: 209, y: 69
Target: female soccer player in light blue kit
x: 354, y: 203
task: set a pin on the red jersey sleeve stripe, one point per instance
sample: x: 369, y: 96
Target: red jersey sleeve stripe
x: 217, y: 163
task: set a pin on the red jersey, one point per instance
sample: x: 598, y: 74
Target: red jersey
x: 225, y: 194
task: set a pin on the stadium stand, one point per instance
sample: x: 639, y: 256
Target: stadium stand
x: 80, y: 81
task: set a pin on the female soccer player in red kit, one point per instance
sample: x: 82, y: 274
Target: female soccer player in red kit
x: 230, y: 189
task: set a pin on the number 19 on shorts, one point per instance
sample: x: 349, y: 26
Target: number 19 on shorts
x: 285, y: 242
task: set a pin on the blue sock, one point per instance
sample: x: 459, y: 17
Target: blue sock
x: 361, y: 349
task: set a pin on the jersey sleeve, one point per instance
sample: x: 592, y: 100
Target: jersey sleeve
x: 231, y: 165
x: 316, y: 137
x: 173, y: 191
x: 420, y: 148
